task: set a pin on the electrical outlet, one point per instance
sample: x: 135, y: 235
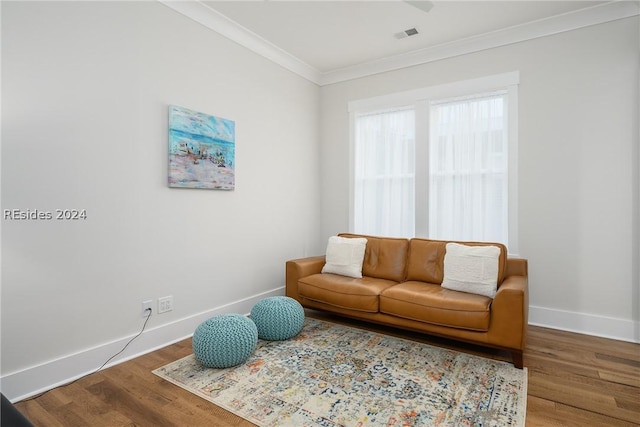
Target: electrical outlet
x: 165, y: 304
x: 146, y: 305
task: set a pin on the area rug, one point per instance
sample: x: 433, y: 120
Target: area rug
x: 332, y: 375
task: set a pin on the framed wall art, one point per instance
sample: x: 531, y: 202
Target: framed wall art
x: 201, y: 150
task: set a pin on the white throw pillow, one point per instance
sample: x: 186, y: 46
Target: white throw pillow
x: 345, y: 256
x: 472, y: 269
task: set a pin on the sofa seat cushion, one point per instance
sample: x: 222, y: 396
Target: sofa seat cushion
x: 345, y: 292
x: 431, y: 303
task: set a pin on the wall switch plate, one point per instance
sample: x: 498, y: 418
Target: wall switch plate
x: 146, y: 305
x: 165, y: 304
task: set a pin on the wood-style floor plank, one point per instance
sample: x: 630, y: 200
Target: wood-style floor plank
x: 546, y: 413
x: 574, y: 380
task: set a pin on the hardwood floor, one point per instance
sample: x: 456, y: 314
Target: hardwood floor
x: 574, y: 380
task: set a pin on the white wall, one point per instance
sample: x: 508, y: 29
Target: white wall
x: 85, y: 91
x: 578, y: 163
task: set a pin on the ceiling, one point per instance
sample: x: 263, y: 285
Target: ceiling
x: 330, y: 35
x: 328, y: 41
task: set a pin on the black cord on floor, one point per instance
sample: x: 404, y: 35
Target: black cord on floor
x: 100, y: 368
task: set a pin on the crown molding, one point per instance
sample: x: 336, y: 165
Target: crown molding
x: 541, y: 28
x: 214, y: 20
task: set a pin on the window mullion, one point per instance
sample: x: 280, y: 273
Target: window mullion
x: 422, y: 169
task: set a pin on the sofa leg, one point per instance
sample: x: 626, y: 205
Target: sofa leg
x: 516, y: 356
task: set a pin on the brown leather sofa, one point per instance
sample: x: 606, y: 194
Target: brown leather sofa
x: 400, y: 287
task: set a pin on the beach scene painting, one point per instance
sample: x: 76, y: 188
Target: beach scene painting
x: 201, y: 150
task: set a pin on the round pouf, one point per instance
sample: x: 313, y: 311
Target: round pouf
x: 278, y: 318
x: 225, y: 340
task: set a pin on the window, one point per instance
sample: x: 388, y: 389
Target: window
x: 468, y: 169
x: 438, y: 162
x: 384, y: 173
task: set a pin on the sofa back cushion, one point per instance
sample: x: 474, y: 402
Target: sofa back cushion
x: 384, y: 257
x: 426, y: 259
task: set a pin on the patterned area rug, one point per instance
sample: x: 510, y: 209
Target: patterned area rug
x: 333, y: 375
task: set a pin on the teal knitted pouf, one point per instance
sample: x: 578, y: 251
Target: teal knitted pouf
x: 278, y: 318
x: 225, y: 340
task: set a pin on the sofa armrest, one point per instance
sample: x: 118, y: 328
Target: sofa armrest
x: 510, y: 310
x: 517, y: 267
x: 298, y: 268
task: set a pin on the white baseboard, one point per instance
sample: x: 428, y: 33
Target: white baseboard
x: 28, y: 382
x: 20, y: 385
x: 582, y: 323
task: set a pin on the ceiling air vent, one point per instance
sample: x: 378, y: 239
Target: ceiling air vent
x: 406, y: 33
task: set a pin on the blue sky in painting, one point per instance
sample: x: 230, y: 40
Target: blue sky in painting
x: 195, y: 123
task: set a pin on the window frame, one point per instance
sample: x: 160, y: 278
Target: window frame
x: 421, y: 99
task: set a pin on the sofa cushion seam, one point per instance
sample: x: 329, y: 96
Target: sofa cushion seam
x: 342, y: 306
x: 342, y: 293
x: 488, y: 310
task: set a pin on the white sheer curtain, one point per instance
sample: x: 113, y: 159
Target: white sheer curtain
x: 384, y: 170
x: 468, y: 169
